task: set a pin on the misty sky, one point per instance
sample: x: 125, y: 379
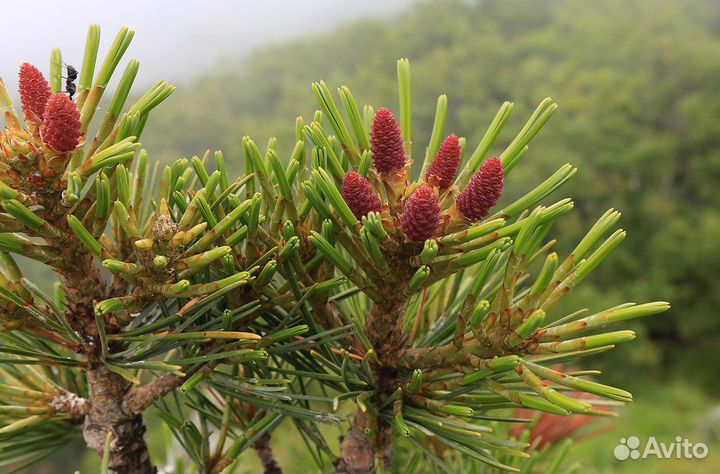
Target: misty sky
x: 174, y: 39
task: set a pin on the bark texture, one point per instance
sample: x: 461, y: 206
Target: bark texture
x: 369, y: 440
x: 104, y: 410
x: 128, y: 450
x: 265, y: 453
x: 357, y: 455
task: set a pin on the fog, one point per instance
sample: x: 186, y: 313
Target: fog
x: 175, y: 39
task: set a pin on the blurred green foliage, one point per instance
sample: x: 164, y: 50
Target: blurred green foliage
x: 639, y: 115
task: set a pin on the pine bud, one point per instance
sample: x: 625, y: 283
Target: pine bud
x: 483, y: 190
x: 421, y: 215
x: 388, y: 151
x: 34, y: 90
x: 61, y: 124
x: 358, y: 195
x: 446, y: 162
x: 164, y: 228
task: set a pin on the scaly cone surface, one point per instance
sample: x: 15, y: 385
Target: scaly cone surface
x: 483, y: 191
x: 359, y: 195
x: 445, y: 165
x: 387, y: 142
x: 34, y: 90
x: 421, y: 216
x: 61, y: 124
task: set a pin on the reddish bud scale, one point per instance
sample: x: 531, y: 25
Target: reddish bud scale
x: 61, y: 124
x: 446, y: 162
x: 388, y: 150
x: 421, y: 216
x: 359, y: 195
x: 483, y: 191
x: 34, y: 90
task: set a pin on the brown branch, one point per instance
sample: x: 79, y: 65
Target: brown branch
x: 265, y: 453
x: 357, y: 451
x: 448, y: 355
x: 70, y: 404
x: 138, y: 399
x: 369, y: 440
x: 103, y: 412
x: 128, y: 450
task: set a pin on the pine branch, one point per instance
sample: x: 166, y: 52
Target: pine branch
x: 265, y: 453
x: 331, y: 277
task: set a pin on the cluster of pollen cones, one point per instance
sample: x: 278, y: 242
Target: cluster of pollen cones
x: 420, y: 216
x: 36, y: 157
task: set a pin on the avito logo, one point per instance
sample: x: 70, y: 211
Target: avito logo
x: 629, y: 448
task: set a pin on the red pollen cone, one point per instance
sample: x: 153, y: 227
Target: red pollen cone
x: 446, y: 162
x: 388, y: 151
x: 359, y: 195
x: 421, y: 216
x: 483, y: 191
x: 34, y: 90
x: 61, y: 124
